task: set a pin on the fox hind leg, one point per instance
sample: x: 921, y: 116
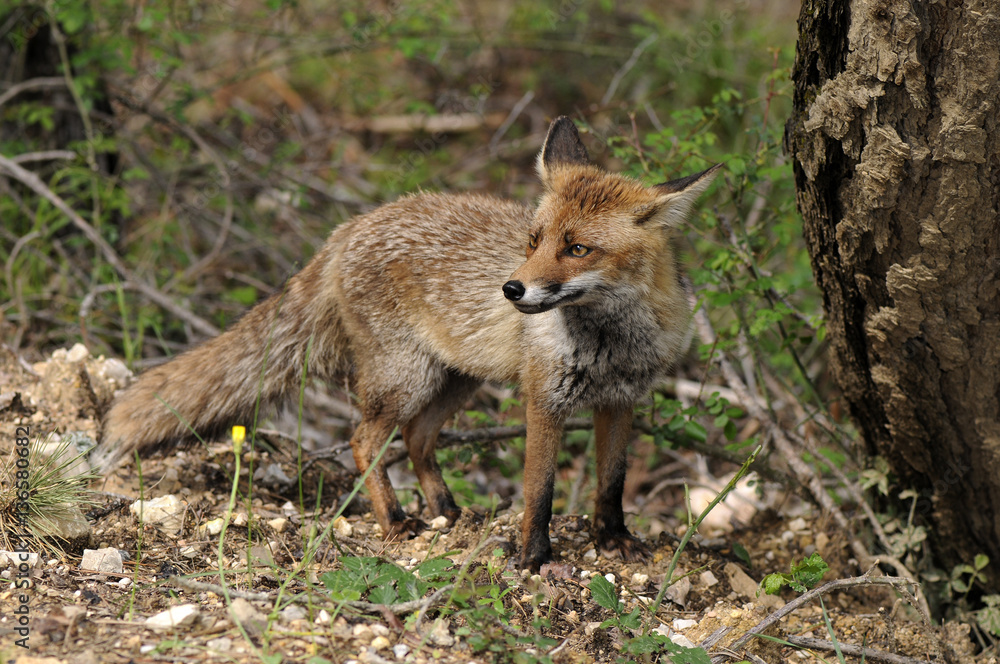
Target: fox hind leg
x: 370, y: 435
x: 421, y: 435
x: 393, y: 389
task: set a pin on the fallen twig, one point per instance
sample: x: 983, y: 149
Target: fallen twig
x: 865, y: 579
x: 868, y: 654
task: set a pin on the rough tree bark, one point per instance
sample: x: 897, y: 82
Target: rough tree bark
x: 896, y: 150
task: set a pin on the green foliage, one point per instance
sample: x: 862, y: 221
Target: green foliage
x: 647, y: 642
x: 988, y: 617
x: 803, y: 576
x: 384, y: 582
x: 964, y: 577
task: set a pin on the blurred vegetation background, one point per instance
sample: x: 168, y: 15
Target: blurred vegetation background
x: 214, y: 147
x: 168, y: 164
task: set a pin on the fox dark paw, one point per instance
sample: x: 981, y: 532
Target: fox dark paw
x: 535, y: 554
x: 623, y: 545
x: 404, y: 529
x: 452, y: 515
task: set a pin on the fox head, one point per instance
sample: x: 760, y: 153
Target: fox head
x: 596, y: 234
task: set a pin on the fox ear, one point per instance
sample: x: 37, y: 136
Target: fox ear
x: 677, y: 197
x: 562, y: 146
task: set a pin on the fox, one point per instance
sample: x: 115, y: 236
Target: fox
x: 578, y: 300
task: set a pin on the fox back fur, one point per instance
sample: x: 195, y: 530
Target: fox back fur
x: 423, y: 299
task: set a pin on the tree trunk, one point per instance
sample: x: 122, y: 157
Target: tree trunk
x: 896, y: 150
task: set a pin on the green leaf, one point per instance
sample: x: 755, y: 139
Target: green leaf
x: 989, y: 620
x: 695, y: 431
x: 344, y: 585
x: 682, y: 655
x: 384, y: 594
x: 810, y: 571
x: 772, y: 583
x: 604, y: 594
x: 631, y: 621
x: 434, y: 568
x: 742, y: 553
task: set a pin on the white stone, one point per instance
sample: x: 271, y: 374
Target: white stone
x: 438, y: 522
x: 174, y: 617
x: 280, y: 524
x: 167, y: 512
x: 16, y: 559
x: 77, y: 353
x: 102, y: 560
x: 681, y: 624
x: 343, y: 527
x: 682, y: 641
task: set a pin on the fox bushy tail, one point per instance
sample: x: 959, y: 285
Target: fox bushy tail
x: 257, y: 363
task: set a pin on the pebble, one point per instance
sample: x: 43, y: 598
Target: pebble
x: 400, y: 650
x: 221, y: 644
x: 279, y: 524
x: 174, y: 617
x: 437, y: 523
x: 343, y: 527
x: 640, y: 579
x: 363, y: 632
x: 293, y: 612
x: 15, y: 559
x: 380, y: 643
x: 167, y: 512
x: 102, y: 560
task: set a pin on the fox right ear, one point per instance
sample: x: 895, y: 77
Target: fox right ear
x: 562, y: 146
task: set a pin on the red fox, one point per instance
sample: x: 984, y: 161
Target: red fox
x: 423, y: 299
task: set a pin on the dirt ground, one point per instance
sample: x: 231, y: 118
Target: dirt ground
x: 279, y: 609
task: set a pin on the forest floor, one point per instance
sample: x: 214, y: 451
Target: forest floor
x: 347, y: 601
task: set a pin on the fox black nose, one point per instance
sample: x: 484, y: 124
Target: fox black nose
x: 513, y: 290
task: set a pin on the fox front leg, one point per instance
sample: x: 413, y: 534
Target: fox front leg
x: 542, y: 441
x: 612, y: 428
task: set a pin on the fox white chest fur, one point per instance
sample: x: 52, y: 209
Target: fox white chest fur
x: 611, y: 354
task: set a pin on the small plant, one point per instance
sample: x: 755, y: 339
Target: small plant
x: 383, y: 582
x: 38, y: 491
x: 803, y: 576
x: 647, y: 642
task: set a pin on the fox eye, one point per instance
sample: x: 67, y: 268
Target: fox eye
x: 533, y: 241
x: 578, y: 250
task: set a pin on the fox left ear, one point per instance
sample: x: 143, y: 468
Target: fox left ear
x: 562, y: 146
x: 677, y: 197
